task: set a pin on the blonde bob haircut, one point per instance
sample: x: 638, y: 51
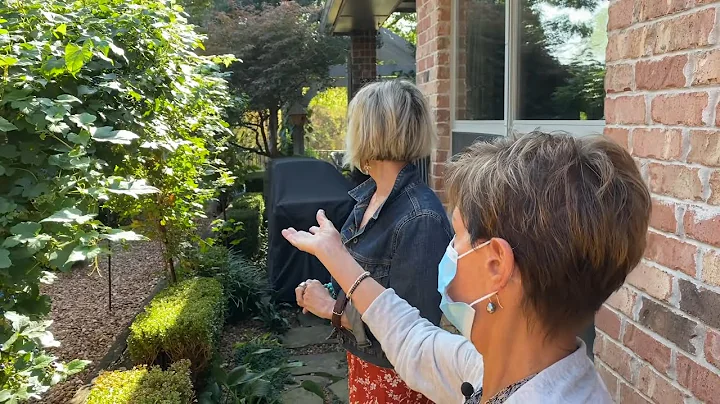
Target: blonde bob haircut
x: 388, y: 121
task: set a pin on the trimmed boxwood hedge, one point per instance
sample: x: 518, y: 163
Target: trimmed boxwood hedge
x: 144, y: 386
x: 244, y: 224
x: 181, y: 322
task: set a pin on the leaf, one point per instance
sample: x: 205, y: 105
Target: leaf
x: 69, y: 99
x: 132, y: 188
x: 76, y: 366
x: 236, y: 375
x: 6, y: 61
x: 83, y: 119
x: 79, y: 138
x: 83, y: 253
x: 6, y: 126
x: 120, y: 235
x: 106, y: 134
x: 26, y: 229
x: 61, y: 29
x: 85, y: 90
x: 117, y: 50
x: 5, y: 258
x: 76, y: 56
x: 71, y: 215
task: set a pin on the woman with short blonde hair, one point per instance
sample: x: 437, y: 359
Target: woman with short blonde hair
x: 397, y: 231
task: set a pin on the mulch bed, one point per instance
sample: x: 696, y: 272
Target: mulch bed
x: 83, y: 324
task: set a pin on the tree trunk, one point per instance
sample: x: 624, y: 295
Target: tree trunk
x: 273, y: 129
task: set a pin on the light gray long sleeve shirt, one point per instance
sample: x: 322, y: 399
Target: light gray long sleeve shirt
x: 435, y: 362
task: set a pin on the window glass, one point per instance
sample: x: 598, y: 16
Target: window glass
x: 480, y: 60
x: 562, y: 59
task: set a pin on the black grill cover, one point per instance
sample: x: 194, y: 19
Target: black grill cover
x: 298, y: 188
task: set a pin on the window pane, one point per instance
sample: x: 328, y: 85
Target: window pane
x: 562, y: 59
x: 480, y: 60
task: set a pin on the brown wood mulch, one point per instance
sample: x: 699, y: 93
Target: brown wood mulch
x: 83, y: 324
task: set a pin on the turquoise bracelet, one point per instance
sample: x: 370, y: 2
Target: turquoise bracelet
x: 331, y: 289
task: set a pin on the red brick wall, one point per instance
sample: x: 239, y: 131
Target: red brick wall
x: 363, y: 59
x: 433, y: 77
x: 659, y: 338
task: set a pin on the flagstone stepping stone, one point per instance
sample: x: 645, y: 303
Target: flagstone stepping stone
x: 319, y: 380
x: 340, y: 389
x: 304, y: 336
x: 330, y: 365
x: 301, y: 396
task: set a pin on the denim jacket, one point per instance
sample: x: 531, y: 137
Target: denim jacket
x: 401, y: 246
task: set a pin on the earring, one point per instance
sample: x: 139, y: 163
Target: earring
x: 491, y: 307
x: 367, y: 168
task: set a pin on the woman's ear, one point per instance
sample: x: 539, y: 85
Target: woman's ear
x: 501, y: 265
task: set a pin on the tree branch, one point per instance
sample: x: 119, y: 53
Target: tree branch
x: 250, y: 149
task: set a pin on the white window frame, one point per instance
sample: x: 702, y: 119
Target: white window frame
x: 510, y: 123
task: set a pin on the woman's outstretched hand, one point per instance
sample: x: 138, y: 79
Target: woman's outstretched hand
x: 318, y: 240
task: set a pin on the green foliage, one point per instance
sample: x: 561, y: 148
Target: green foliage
x: 259, y: 378
x: 26, y: 371
x: 101, y: 102
x: 246, y: 287
x: 404, y: 25
x: 182, y: 322
x: 262, y: 354
x: 143, y: 386
x: 243, y: 226
x: 283, y: 51
x: 208, y: 259
x: 327, y: 114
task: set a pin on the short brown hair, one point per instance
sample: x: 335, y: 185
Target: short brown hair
x: 574, y: 210
x: 388, y: 120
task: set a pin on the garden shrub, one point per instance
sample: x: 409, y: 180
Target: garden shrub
x: 244, y: 224
x: 144, y: 386
x: 181, y: 322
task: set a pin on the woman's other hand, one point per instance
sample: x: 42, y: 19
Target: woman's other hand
x: 314, y: 297
x: 319, y: 240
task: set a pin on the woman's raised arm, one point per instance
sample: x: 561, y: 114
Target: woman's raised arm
x: 430, y: 360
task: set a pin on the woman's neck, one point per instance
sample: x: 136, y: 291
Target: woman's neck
x: 385, y: 173
x: 515, y: 352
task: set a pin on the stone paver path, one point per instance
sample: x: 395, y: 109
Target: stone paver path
x: 326, y: 370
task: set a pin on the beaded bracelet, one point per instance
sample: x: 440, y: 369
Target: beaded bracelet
x: 329, y: 286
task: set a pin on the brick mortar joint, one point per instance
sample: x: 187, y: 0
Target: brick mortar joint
x: 701, y: 327
x: 665, y: 18
x: 671, y: 380
x: 698, y: 50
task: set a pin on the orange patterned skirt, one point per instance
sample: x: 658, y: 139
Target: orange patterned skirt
x: 370, y: 384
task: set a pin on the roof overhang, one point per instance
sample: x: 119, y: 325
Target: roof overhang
x: 342, y: 17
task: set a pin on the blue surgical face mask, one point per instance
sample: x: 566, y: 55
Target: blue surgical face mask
x: 461, y: 315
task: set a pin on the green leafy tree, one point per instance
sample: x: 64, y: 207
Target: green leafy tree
x: 328, y: 122
x: 90, y: 92
x: 283, y: 52
x: 404, y: 25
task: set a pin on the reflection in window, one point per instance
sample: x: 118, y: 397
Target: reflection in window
x: 562, y: 70
x: 481, y: 60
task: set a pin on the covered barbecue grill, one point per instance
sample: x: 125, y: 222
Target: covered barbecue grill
x: 298, y: 188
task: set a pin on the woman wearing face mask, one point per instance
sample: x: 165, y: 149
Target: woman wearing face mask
x: 397, y: 232
x: 547, y: 227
